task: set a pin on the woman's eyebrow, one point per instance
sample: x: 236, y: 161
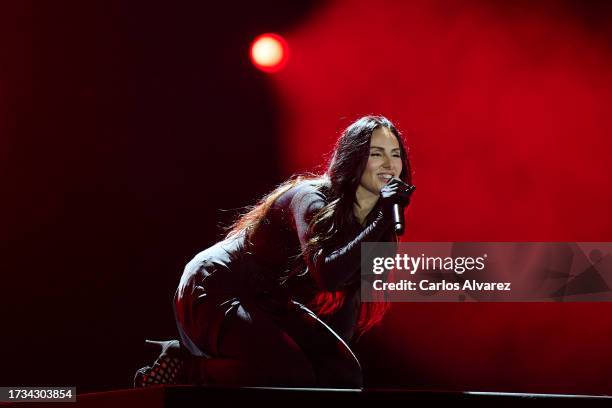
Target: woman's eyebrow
x: 382, y: 148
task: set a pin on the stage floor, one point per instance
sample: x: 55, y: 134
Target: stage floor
x: 192, y: 396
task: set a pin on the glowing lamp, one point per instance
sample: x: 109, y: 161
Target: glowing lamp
x: 269, y: 52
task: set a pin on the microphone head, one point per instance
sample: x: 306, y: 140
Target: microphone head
x: 399, y: 228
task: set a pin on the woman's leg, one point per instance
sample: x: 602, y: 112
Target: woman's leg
x: 272, y: 358
x: 335, y: 365
x: 287, y: 346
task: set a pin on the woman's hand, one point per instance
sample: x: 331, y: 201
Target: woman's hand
x: 396, y: 192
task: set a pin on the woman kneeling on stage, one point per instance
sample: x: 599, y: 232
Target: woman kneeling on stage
x: 280, y: 295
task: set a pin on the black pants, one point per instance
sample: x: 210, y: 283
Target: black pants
x: 280, y: 341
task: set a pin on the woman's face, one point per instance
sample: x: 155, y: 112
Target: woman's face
x: 384, y: 162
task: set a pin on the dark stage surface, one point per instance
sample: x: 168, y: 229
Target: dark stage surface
x: 183, y: 396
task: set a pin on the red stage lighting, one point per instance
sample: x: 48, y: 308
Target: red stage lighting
x: 269, y: 52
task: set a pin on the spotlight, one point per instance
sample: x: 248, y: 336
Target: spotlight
x: 269, y: 52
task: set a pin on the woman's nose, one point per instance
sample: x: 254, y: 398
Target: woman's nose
x: 386, y: 162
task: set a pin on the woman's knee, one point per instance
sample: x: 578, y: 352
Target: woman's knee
x: 344, y: 371
x: 335, y: 364
x: 271, y: 354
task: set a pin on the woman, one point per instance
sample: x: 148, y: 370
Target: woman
x: 243, y: 298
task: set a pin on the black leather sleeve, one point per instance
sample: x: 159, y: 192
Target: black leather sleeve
x: 333, y: 268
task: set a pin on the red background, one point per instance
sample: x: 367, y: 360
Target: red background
x: 506, y: 108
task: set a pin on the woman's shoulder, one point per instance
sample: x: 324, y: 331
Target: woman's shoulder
x: 307, y: 189
x: 315, y: 188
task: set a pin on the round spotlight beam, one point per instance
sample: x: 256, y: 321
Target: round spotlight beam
x: 269, y: 52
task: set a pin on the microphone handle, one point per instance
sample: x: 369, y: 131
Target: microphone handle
x: 398, y: 219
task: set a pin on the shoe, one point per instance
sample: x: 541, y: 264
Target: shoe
x: 166, y: 370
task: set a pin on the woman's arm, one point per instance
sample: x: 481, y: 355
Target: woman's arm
x: 335, y: 268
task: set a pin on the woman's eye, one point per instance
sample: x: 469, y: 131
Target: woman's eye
x: 374, y: 154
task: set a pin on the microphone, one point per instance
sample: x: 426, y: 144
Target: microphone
x: 402, y: 199
x: 398, y: 219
